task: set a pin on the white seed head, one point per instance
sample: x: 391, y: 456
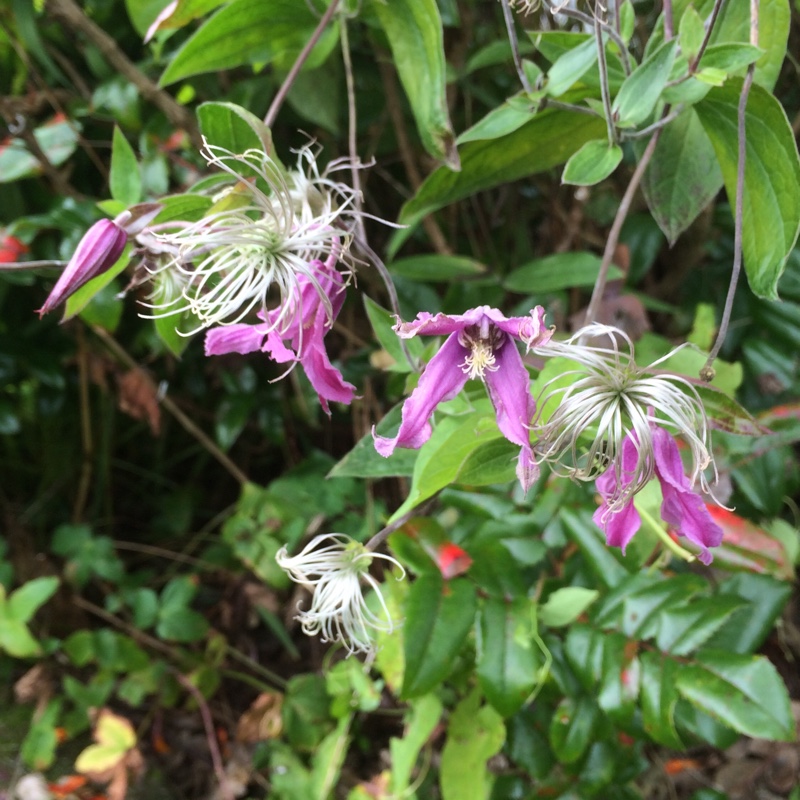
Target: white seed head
x: 337, y: 567
x: 268, y: 227
x: 610, y: 398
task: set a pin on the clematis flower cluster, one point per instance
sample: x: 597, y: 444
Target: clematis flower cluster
x: 335, y: 567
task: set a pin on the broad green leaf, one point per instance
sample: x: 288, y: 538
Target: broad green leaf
x: 642, y: 88
x: 233, y: 128
x: 475, y: 733
x: 691, y: 32
x: 104, y: 310
x: 316, y: 96
x: 683, y: 629
x: 565, y: 605
x: 414, y: 31
x: 39, y: 745
x: 439, y: 615
x: 588, y: 537
x: 184, y: 207
x: 80, y: 299
x: 553, y: 45
x: 251, y: 32
x: 422, y: 717
x: 641, y: 608
x: 548, y: 140
x: 181, y: 625
x: 491, y: 462
x: 501, y: 121
x: 572, y: 727
x: 659, y: 696
x: 729, y: 57
x: 620, y: 679
x: 142, y: 13
x: 556, y: 272
x: 771, y: 177
x: 744, y: 692
x: 683, y: 176
x: 363, y: 461
x: 167, y: 329
x: 16, y: 639
x: 184, y: 12
x: 436, y: 268
x: 125, y: 181
x: 305, y: 711
x: 594, y: 162
x: 583, y: 649
x: 383, y: 323
x: 25, y: 601
x: 328, y: 759
x: 58, y: 141
x: 508, y: 657
x: 569, y: 68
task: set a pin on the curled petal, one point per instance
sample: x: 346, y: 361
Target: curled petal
x: 324, y: 377
x: 442, y: 380
x: 238, y: 338
x: 619, y: 526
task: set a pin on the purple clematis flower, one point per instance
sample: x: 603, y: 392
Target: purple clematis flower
x: 99, y: 250
x: 681, y: 507
x: 480, y: 344
x: 302, y: 322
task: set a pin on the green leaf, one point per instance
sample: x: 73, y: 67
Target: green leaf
x: 594, y: 162
x: 328, y: 759
x: 439, y: 615
x: 548, y: 140
x: 729, y: 57
x: 489, y: 463
x: 125, y: 181
x: 565, y: 605
x: 39, y: 745
x: 744, y: 692
x: 642, y: 88
x: 58, y: 141
x: 142, y: 13
x: 508, y: 657
x: 691, y: 33
x: 181, y: 625
x: 104, y: 310
x: 683, y: 629
x: 26, y: 601
x: 556, y: 272
x: 414, y: 31
x: 572, y: 728
x: 436, y: 268
x: 659, y: 696
x: 587, y: 536
x: 233, y: 128
x: 79, y: 648
x: 619, y: 684
x: 422, y: 717
x: 569, y: 68
x: 501, y: 121
x: 683, y: 176
x: 315, y: 95
x: 16, y: 639
x: 250, y: 32
x: 383, y: 322
x: 182, y: 14
x: 771, y: 177
x: 475, y: 733
x: 641, y: 608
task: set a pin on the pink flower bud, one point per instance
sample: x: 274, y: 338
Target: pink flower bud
x: 99, y: 250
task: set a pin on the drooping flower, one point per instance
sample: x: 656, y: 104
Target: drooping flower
x: 336, y: 566
x: 261, y: 236
x: 609, y: 397
x: 304, y: 319
x: 97, y: 251
x: 620, y: 423
x: 682, y: 508
x: 480, y: 344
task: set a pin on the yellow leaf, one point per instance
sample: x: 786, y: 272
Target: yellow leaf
x: 99, y: 758
x: 114, y: 731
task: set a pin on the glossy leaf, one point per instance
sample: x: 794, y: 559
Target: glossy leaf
x: 691, y: 32
x: 571, y: 67
x: 642, y: 88
x: 414, y: 31
x: 436, y: 268
x: 558, y: 271
x: 771, y: 177
x: 744, y: 692
x: 501, y: 121
x: 549, y: 139
x: 233, y: 128
x: 683, y: 176
x: 684, y: 629
x: 565, y: 605
x: 125, y: 181
x: 249, y: 32
x: 58, y: 140
x: 439, y: 615
x: 572, y: 728
x: 619, y: 685
x: 594, y: 162
x: 588, y: 537
x: 659, y: 696
x: 24, y: 602
x: 641, y: 608
x: 583, y: 649
x: 422, y: 717
x: 508, y: 657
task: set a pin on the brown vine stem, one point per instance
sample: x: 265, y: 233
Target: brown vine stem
x: 288, y: 81
x: 707, y: 372
x: 188, y: 425
x: 512, y: 38
x: 70, y: 13
x: 604, y: 89
x: 616, y: 227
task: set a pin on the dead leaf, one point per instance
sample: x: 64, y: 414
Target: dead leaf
x: 262, y: 720
x: 138, y: 397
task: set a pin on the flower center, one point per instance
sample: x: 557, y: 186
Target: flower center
x: 481, y: 341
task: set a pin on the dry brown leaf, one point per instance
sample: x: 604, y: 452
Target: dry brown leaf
x: 262, y: 720
x: 138, y: 397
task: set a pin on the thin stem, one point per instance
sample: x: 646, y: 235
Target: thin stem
x: 548, y: 103
x: 656, y: 126
x: 616, y: 227
x: 659, y: 531
x: 512, y: 38
x: 709, y: 30
x: 10, y: 266
x: 380, y: 537
x: 707, y: 372
x: 604, y: 90
x: 173, y: 409
x: 669, y: 31
x: 239, y: 656
x: 225, y: 790
x: 283, y: 90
